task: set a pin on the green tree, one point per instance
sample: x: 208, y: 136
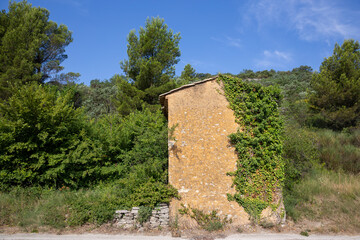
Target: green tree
x: 31, y: 46
x: 44, y: 140
x: 202, y: 76
x: 152, y: 54
x: 129, y: 98
x: 335, y: 99
x: 99, y: 98
x: 63, y: 79
x: 188, y: 74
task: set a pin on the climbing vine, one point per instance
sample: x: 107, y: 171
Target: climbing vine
x: 260, y: 169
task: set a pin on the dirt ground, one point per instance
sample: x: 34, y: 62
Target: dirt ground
x: 253, y: 236
x: 292, y: 231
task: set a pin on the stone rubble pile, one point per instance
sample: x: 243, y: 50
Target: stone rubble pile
x: 128, y: 219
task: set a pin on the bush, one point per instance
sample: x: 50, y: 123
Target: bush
x: 209, y: 222
x: 135, y: 143
x: 144, y: 214
x: 340, y: 150
x: 300, y: 153
x: 44, y: 140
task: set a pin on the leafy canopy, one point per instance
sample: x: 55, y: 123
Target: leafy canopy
x: 31, y: 47
x: 99, y: 98
x: 336, y: 96
x: 43, y: 139
x: 152, y: 54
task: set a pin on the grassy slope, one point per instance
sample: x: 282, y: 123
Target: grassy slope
x: 332, y: 199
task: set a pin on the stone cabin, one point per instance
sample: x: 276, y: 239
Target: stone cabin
x: 200, y: 153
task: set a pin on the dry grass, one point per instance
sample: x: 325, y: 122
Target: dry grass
x: 331, y: 199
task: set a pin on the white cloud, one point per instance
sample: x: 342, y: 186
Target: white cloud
x: 278, y: 55
x: 232, y: 42
x: 273, y: 59
x: 313, y: 20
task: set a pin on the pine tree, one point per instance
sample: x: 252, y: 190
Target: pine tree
x: 31, y: 46
x: 335, y: 99
x: 188, y: 74
x: 152, y: 54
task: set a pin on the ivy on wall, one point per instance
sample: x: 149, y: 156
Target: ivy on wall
x: 260, y: 168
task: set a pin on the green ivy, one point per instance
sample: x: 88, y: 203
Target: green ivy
x: 260, y: 168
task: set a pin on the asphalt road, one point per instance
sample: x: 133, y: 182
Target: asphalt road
x: 33, y: 236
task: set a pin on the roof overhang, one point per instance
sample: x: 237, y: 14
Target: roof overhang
x: 163, y: 97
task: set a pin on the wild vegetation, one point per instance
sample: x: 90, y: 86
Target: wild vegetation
x: 260, y: 168
x: 208, y: 221
x: 321, y: 153
x: 72, y: 154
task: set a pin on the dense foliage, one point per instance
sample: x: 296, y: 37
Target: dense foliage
x: 99, y: 98
x: 103, y: 146
x: 340, y: 151
x: 152, y: 54
x: 260, y: 168
x: 31, y: 46
x: 188, y: 75
x: 45, y: 141
x: 336, y: 88
x: 293, y: 84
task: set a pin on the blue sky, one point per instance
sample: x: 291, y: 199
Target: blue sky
x: 217, y: 36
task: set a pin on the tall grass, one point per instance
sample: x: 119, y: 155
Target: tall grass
x: 35, y: 207
x: 58, y: 208
x: 322, y: 182
x: 332, y: 198
x: 340, y: 150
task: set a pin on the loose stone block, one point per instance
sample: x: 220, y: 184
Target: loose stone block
x: 165, y: 210
x: 121, y: 211
x: 128, y: 219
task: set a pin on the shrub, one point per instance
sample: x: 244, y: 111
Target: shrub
x: 135, y: 143
x: 43, y: 139
x: 300, y: 153
x: 209, y: 222
x: 59, y: 208
x: 144, y: 214
x: 340, y: 150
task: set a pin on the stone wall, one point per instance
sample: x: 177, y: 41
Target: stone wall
x: 128, y: 219
x: 201, y: 154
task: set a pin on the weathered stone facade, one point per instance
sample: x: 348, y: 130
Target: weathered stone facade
x: 200, y: 154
